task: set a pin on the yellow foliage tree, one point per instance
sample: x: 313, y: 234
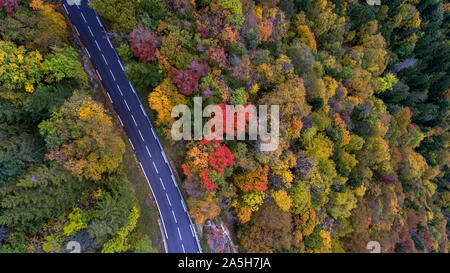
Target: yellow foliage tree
x: 307, y: 37
x: 90, y: 146
x: 204, y: 208
x: 19, y: 69
x: 120, y: 243
x: 163, y: 98
x: 282, y: 200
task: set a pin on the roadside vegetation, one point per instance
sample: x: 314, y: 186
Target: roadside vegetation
x: 66, y: 173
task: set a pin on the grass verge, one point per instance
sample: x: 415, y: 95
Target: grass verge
x: 148, y: 221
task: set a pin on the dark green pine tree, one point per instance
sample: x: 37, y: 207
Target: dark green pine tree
x: 42, y: 193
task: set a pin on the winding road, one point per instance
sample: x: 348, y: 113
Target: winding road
x: 180, y: 233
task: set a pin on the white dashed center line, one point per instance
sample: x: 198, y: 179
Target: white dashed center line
x: 141, y: 135
x: 104, y: 59
x: 135, y: 123
x: 118, y: 88
x: 126, y: 105
x: 148, y: 151
x: 97, y: 45
x: 168, y: 200
x: 162, y: 184
x: 173, y: 213
x: 154, y: 166
x: 114, y: 78
x: 179, y: 233
x: 82, y: 15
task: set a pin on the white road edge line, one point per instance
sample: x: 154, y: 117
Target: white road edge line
x: 99, y: 22
x: 87, y: 51
x: 174, y: 181
x: 109, y: 42
x: 99, y: 75
x: 164, y: 156
x: 65, y: 9
x: 182, y: 203
x: 131, y: 143
x: 153, y: 132
x: 143, y: 111
x: 121, y: 65
x: 132, y: 88
x: 120, y: 120
x: 76, y: 29
x: 157, y: 205
x: 109, y: 97
x: 190, y: 227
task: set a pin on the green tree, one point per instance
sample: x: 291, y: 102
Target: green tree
x: 42, y: 193
x: 64, y: 64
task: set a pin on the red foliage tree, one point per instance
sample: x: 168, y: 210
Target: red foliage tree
x: 185, y: 80
x: 144, y: 43
x: 205, y: 181
x: 10, y: 5
x: 221, y: 158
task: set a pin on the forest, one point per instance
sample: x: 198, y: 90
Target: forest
x: 363, y: 93
x: 61, y: 154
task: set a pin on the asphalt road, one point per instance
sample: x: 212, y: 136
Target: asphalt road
x: 178, y: 228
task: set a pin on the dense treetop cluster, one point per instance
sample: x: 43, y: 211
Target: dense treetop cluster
x: 363, y: 95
